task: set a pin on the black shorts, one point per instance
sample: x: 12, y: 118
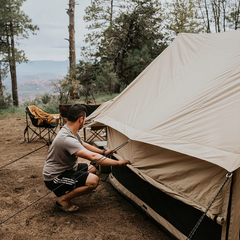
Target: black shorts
x: 68, y: 180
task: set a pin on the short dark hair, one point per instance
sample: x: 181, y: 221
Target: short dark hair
x: 75, y: 112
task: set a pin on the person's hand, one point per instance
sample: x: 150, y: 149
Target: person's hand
x: 123, y: 162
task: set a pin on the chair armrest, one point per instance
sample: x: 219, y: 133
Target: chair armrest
x: 40, y: 117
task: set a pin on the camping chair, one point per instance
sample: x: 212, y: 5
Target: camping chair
x: 43, y: 125
x: 63, y: 109
x: 98, y: 132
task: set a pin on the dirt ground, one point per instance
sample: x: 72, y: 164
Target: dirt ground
x: 104, y: 214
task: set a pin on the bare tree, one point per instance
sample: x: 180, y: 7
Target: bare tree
x: 72, y: 55
x: 71, y: 28
x: 236, y: 15
x: 219, y: 15
x: 1, y: 85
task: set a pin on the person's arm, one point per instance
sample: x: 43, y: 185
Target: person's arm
x: 100, y: 159
x: 95, y: 149
x: 92, y: 148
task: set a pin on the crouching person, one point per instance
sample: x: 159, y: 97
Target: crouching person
x: 62, y: 173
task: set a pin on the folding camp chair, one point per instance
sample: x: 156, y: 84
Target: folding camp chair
x: 43, y: 125
x: 96, y: 132
x: 63, y: 109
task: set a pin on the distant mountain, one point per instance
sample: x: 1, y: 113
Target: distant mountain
x: 34, y: 78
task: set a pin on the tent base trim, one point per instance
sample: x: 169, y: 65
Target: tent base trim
x: 146, y: 209
x: 175, y: 216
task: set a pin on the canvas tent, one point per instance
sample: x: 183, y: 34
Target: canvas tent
x: 183, y: 116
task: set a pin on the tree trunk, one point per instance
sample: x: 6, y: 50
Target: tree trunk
x: 111, y: 14
x: 118, y: 67
x: 224, y: 15
x: 1, y: 86
x: 13, y: 69
x: 70, y: 12
x: 72, y: 55
x: 207, y: 15
x: 12, y: 65
x: 218, y: 16
x: 237, y: 16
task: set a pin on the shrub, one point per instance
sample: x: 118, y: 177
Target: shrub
x: 46, y: 98
x: 12, y: 111
x: 36, y: 101
x: 6, y: 101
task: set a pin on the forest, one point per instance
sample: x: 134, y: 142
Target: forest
x: 124, y: 38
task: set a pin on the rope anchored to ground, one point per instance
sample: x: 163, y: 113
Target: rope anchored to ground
x: 98, y: 161
x: 24, y: 156
x: 229, y: 175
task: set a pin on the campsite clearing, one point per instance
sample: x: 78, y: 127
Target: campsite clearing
x: 104, y: 214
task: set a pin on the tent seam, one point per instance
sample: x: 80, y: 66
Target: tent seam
x: 163, y: 136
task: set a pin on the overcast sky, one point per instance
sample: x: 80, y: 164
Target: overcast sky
x: 52, y: 19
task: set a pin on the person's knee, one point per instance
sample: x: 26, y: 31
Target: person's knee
x: 92, y: 169
x: 92, y: 181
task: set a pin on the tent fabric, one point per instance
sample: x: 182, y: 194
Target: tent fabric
x: 99, y: 110
x: 180, y: 176
x: 183, y: 116
x: 187, y: 100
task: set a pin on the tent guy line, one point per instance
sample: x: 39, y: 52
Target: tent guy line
x: 103, y: 158
x: 228, y: 175
x: 24, y: 156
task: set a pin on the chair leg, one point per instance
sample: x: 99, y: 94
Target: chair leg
x: 95, y: 134
x: 54, y: 132
x: 39, y: 131
x: 27, y: 128
x: 41, y: 134
x: 48, y: 136
x: 106, y: 133
x: 84, y: 134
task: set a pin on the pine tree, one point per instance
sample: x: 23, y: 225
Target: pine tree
x: 129, y: 40
x: 182, y: 16
x: 15, y: 25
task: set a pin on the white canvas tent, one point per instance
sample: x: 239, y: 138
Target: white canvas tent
x: 183, y: 116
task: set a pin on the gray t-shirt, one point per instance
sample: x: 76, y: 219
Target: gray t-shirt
x: 61, y: 153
